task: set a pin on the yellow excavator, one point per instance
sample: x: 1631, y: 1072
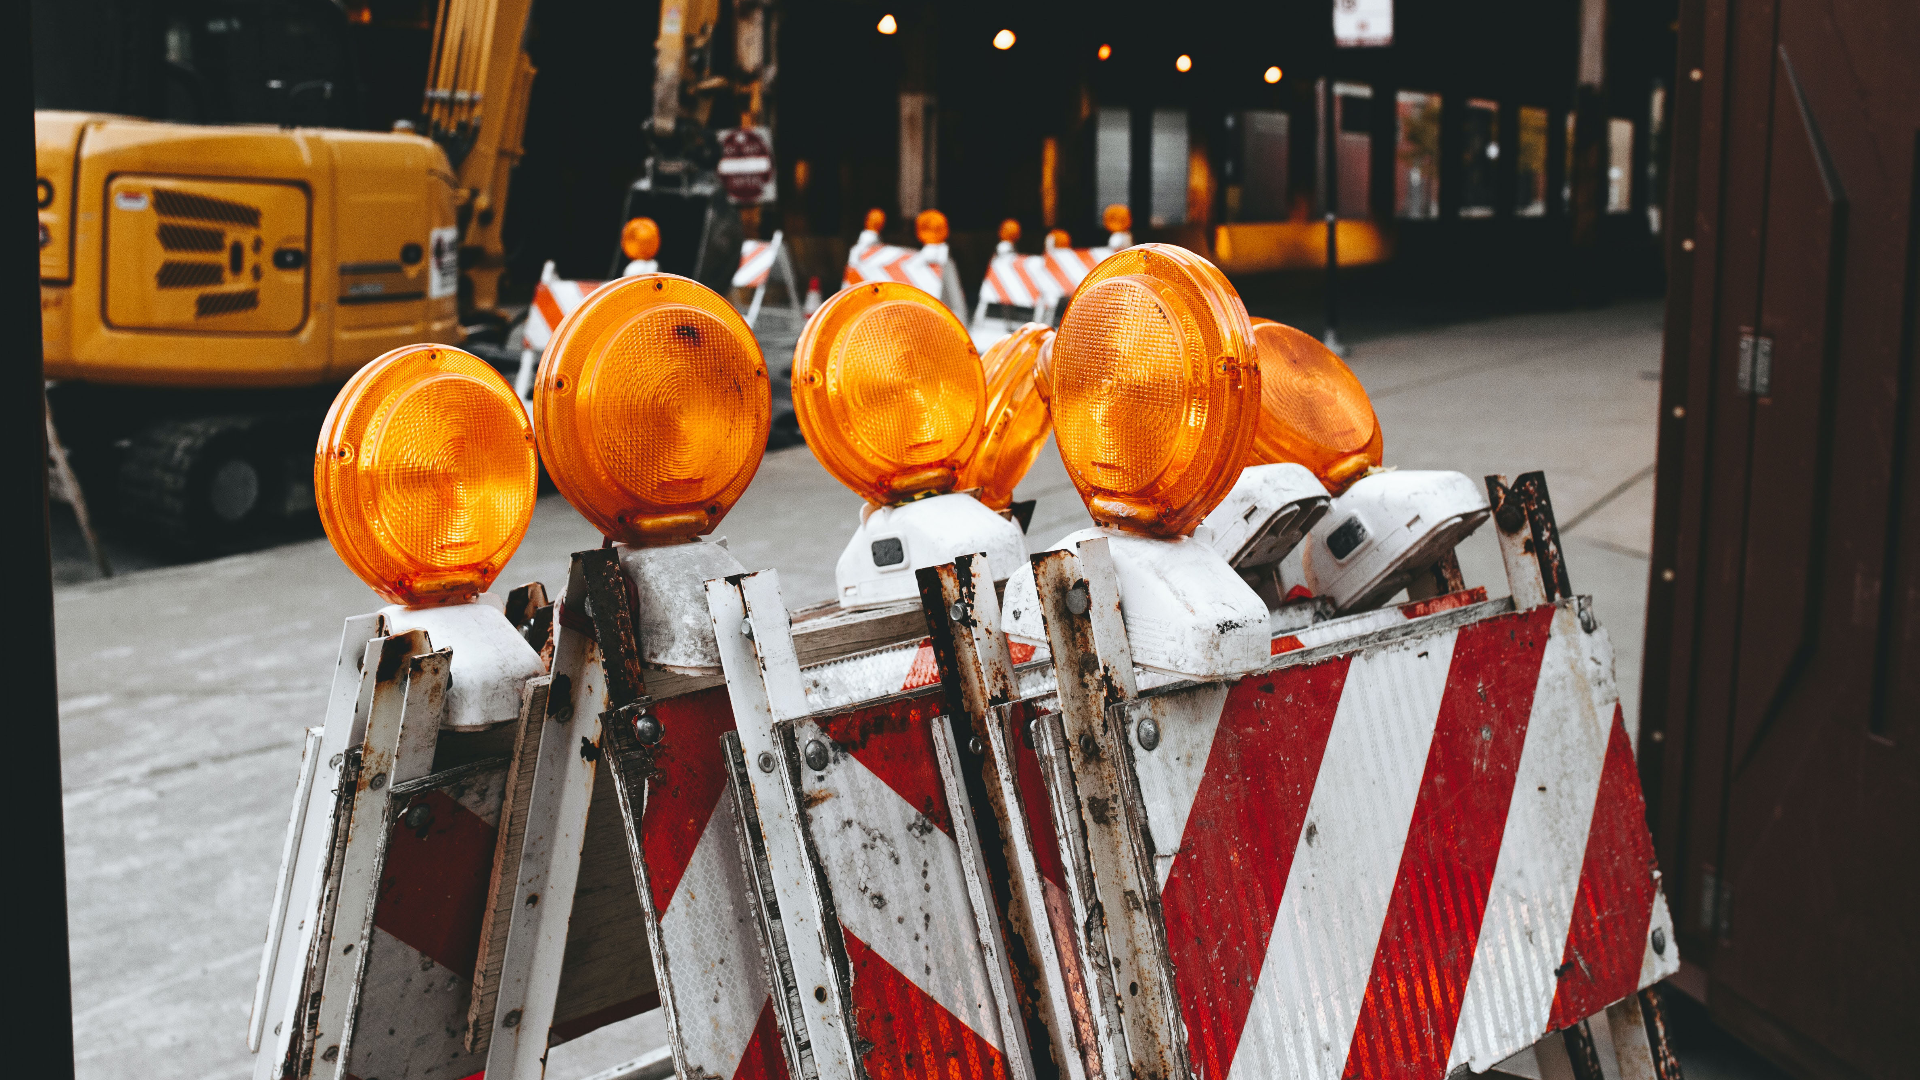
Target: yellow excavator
x: 204, y: 288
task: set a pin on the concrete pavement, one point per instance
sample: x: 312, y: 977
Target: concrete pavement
x: 184, y: 689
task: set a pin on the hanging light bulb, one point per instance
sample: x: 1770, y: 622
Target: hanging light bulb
x: 887, y: 24
x: 1273, y: 75
x: 1185, y: 63
x: 1003, y: 40
x: 1106, y: 52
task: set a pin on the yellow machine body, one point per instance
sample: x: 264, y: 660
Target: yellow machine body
x: 238, y: 256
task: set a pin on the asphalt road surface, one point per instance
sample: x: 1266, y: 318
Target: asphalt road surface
x: 184, y: 689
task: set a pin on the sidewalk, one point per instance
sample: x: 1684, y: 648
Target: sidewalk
x: 184, y: 689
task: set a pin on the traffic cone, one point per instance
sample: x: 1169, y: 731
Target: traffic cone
x: 813, y: 296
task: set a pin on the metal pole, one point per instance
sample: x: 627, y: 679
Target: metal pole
x: 39, y: 839
x: 1327, y: 111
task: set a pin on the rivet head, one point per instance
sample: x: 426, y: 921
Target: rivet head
x: 511, y: 1020
x: 1147, y: 731
x: 418, y: 814
x: 647, y: 729
x: 746, y: 627
x: 1077, y: 600
x: 958, y: 612
x: 766, y: 761
x: 819, y: 993
x: 1087, y: 747
x: 379, y: 781
x: 334, y: 761
x: 816, y: 755
x: 975, y: 748
x: 1659, y: 941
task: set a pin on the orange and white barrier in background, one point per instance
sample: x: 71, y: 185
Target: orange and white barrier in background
x: 1034, y: 287
x: 553, y: 300
x: 759, y: 259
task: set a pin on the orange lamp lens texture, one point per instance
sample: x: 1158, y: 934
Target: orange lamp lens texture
x: 1117, y: 218
x: 640, y: 239
x: 1154, y: 389
x: 652, y: 406
x: 889, y: 391
x: 1313, y: 410
x: 931, y: 227
x: 1010, y: 231
x: 1016, y: 421
x: 876, y: 220
x: 425, y: 475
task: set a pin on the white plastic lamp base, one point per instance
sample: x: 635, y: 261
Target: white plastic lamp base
x: 892, y: 542
x: 1386, y: 528
x: 1187, y: 612
x: 1267, y: 514
x: 672, y: 621
x: 491, y: 661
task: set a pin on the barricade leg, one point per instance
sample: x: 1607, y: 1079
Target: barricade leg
x: 871, y: 842
x: 1014, y: 819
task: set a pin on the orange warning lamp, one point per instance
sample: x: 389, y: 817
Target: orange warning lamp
x: 1061, y: 238
x: 931, y: 227
x: 889, y: 391
x: 640, y: 239
x: 425, y: 475
x: 876, y: 220
x: 652, y: 406
x: 1154, y: 389
x: 1313, y: 409
x: 1010, y: 231
x: 1015, y: 419
x: 1117, y: 218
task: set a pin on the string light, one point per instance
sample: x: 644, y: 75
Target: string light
x: 1185, y: 63
x: 887, y: 24
x: 1273, y: 75
x: 1106, y: 51
x: 1003, y: 40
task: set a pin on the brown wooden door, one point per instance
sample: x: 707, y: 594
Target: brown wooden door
x: 1781, y: 701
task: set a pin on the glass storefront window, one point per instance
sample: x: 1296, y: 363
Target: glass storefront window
x: 1353, y: 104
x: 1167, y: 198
x: 1112, y: 159
x: 1416, y: 173
x: 1530, y: 164
x: 1264, y: 156
x: 1619, y: 166
x: 1480, y: 155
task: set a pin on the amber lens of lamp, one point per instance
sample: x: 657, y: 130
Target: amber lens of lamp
x: 931, y: 227
x: 1016, y: 422
x: 1154, y: 389
x: 876, y: 220
x: 652, y: 406
x: 1061, y: 239
x: 425, y: 475
x: 889, y: 391
x: 1313, y: 410
x: 1010, y: 231
x: 1117, y: 218
x: 640, y: 239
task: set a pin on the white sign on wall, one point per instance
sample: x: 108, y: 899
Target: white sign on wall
x: 1362, y: 23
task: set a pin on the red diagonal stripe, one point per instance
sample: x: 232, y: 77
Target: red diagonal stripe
x: 433, y: 891
x: 549, y: 307
x: 906, y: 1033
x: 689, y: 780
x: 1608, y: 937
x: 762, y: 1060
x: 1425, y: 954
x: 1224, y: 890
x: 894, y: 740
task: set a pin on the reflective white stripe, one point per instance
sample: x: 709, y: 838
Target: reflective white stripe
x: 756, y: 262
x: 735, y: 166
x: 1170, y: 776
x: 1345, y: 864
x: 710, y: 936
x: 896, y: 882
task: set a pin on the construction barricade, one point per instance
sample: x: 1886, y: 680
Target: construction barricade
x: 760, y: 260
x: 1028, y: 288
x: 1122, y: 808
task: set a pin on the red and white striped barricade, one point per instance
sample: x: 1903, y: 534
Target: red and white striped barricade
x: 553, y: 300
x: 1028, y: 288
x: 929, y: 269
x: 1416, y: 846
x: 873, y: 857
x: 394, y: 907
x: 759, y: 261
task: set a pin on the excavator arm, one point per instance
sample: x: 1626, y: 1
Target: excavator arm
x: 478, y: 81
